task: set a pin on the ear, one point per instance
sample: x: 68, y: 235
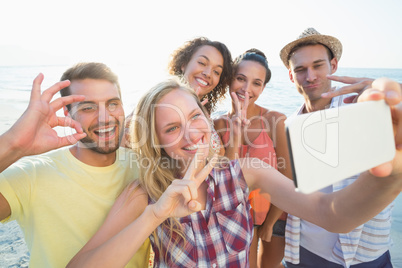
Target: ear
x: 334, y: 65
x: 291, y: 76
x: 183, y: 67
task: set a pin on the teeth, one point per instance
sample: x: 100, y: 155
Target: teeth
x: 202, y: 82
x: 241, y: 96
x: 104, y: 130
x: 191, y: 148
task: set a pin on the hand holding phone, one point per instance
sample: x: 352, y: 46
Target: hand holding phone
x: 333, y: 144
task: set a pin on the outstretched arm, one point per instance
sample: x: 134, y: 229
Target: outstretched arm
x: 338, y: 212
x: 33, y: 132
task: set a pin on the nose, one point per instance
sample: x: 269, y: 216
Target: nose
x: 247, y: 87
x: 207, y: 71
x: 192, y: 134
x: 195, y: 130
x: 103, y: 113
x: 311, y: 75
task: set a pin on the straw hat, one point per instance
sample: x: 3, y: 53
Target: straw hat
x: 311, y: 34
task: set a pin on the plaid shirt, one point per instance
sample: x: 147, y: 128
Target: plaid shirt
x: 220, y: 235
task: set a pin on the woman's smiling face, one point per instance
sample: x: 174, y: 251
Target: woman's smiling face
x: 204, y: 69
x: 181, y: 126
x: 249, y: 77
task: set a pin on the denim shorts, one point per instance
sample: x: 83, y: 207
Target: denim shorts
x: 309, y: 259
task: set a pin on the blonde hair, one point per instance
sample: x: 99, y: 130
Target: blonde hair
x: 155, y: 177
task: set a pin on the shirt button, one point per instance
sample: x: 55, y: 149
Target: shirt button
x: 214, y: 265
x: 214, y: 200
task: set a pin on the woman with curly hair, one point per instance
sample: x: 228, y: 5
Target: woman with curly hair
x: 206, y: 66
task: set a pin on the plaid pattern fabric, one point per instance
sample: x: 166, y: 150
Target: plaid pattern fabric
x: 220, y: 235
x: 364, y: 244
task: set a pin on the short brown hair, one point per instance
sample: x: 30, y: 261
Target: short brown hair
x: 91, y: 70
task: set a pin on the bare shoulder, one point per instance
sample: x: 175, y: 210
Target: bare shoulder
x: 273, y: 118
x: 133, y: 199
x: 220, y: 122
x: 273, y: 115
x: 133, y: 189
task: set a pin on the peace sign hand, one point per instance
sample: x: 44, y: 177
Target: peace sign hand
x: 239, y: 119
x: 180, y: 198
x: 354, y: 85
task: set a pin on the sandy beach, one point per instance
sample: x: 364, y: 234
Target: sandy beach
x: 13, y: 250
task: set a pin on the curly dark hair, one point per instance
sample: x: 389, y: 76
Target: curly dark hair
x: 182, y: 56
x: 256, y: 55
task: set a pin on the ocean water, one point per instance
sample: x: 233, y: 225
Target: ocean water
x: 280, y: 95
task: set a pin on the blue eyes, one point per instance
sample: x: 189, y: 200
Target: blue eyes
x: 112, y: 106
x: 171, y: 129
x: 88, y: 107
x: 194, y: 117
x: 92, y: 107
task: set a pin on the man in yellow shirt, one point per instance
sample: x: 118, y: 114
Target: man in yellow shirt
x: 60, y: 198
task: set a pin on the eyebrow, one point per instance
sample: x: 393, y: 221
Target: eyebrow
x: 85, y: 102
x: 93, y: 102
x: 258, y: 79
x: 209, y: 60
x: 319, y: 61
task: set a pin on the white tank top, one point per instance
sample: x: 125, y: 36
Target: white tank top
x: 318, y: 240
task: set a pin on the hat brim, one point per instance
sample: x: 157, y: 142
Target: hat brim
x: 329, y: 41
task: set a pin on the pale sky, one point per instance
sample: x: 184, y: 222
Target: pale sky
x: 143, y: 33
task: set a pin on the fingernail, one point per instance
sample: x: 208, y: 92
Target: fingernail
x: 375, y: 91
x: 324, y: 95
x: 392, y: 95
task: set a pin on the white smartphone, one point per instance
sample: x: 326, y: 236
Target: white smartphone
x: 333, y: 144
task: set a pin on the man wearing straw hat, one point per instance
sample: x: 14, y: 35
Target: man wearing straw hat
x: 309, y: 59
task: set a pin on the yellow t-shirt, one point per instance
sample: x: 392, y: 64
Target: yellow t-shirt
x: 60, y: 202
